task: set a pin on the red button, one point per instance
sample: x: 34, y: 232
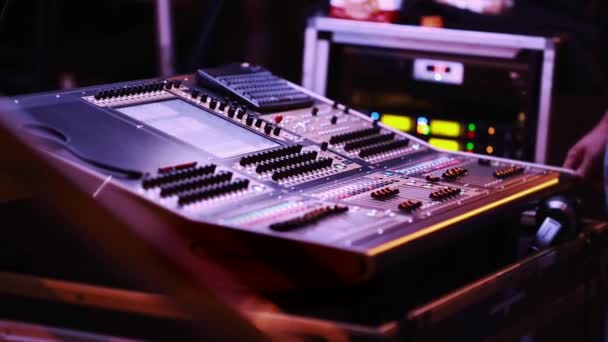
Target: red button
x: 278, y: 119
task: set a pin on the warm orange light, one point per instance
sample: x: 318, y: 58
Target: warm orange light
x: 521, y: 117
x: 490, y: 149
x: 491, y: 130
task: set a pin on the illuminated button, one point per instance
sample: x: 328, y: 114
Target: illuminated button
x: 446, y: 144
x: 446, y: 128
x: 470, y: 146
x: 490, y: 149
x: 402, y: 123
x: 471, y: 135
x: 491, y: 130
x: 472, y: 127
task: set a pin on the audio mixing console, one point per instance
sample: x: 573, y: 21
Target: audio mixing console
x: 296, y: 176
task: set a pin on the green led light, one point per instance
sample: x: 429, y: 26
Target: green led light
x: 472, y: 127
x: 470, y: 146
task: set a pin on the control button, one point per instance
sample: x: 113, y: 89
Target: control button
x: 231, y: 111
x: 334, y: 120
x: 315, y: 111
x: 177, y: 84
x: 223, y: 105
x: 278, y: 119
x: 240, y: 113
x: 409, y: 205
x: 276, y: 131
x: 324, y: 146
x: 336, y: 104
x: 213, y: 103
x: 445, y: 193
x: 268, y: 128
x: 194, y: 94
x: 455, y: 173
x: 384, y: 193
x: 346, y: 110
x: 432, y: 179
x: 258, y: 123
x: 249, y: 120
x: 169, y: 84
x: 204, y: 97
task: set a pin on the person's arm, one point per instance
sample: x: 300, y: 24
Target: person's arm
x: 587, y: 155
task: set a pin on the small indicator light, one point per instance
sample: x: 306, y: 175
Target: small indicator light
x: 490, y: 149
x: 521, y: 117
x: 446, y: 144
x: 491, y: 130
x: 446, y: 128
x: 472, y: 127
x: 375, y: 116
x: 470, y: 146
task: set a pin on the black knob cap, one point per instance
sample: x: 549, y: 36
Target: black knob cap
x: 213, y: 103
x: 324, y: 146
x: 177, y: 84
x: 258, y: 123
x: 268, y: 128
x: 204, y: 97
x: 335, y: 104
x: 346, y: 110
x: 334, y: 120
x: 169, y: 84
x: 315, y: 111
x: 98, y: 95
x: 276, y: 131
x: 194, y: 94
x: 249, y: 120
x: 223, y: 105
x: 231, y: 111
x: 240, y: 113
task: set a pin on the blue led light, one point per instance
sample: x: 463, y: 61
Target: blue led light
x: 375, y: 116
x: 423, y: 121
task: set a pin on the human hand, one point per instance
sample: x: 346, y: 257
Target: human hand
x: 586, y: 157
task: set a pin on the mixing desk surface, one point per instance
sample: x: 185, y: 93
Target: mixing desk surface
x: 240, y: 152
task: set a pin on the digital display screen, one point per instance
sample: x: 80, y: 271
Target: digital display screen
x: 198, y: 127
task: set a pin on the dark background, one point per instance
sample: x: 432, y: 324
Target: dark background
x: 53, y: 44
